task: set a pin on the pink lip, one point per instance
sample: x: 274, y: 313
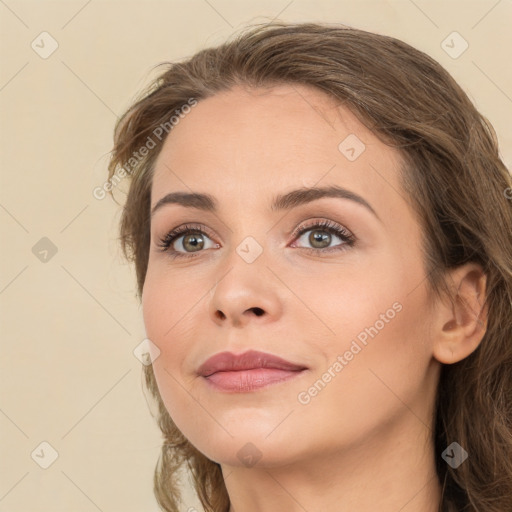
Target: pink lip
x: 248, y: 371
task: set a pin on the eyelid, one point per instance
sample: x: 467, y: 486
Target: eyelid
x: 322, y: 223
x: 182, y: 230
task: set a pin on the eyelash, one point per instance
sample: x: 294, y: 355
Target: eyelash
x: 324, y: 225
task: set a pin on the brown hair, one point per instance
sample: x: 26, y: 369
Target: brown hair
x: 452, y: 175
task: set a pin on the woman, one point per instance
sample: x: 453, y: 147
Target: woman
x: 321, y: 227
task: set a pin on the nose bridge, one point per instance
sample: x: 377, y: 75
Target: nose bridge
x: 248, y: 238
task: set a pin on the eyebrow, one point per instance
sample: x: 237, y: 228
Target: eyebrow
x: 281, y: 202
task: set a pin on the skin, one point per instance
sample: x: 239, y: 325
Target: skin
x: 365, y: 437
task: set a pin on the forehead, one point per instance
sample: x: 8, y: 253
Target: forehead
x: 248, y: 141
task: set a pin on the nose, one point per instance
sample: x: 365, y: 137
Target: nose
x: 246, y: 293
x: 236, y: 318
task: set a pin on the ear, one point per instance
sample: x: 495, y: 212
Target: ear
x: 461, y: 323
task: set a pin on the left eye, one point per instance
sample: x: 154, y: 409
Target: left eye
x: 321, y: 236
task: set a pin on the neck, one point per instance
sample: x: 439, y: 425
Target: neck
x: 394, y: 473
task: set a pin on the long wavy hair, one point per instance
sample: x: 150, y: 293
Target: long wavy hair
x: 452, y: 174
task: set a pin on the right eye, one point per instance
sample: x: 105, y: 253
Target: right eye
x: 188, y: 236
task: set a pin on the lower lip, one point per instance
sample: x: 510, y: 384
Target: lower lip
x: 243, y: 381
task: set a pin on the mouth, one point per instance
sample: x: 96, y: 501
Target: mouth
x: 246, y: 372
x: 242, y: 381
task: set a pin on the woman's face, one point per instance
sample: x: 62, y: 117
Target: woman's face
x: 346, y: 300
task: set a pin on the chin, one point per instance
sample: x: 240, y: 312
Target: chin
x: 250, y: 438
x: 249, y: 453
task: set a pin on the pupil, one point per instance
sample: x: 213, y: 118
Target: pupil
x: 194, y: 241
x: 319, y: 236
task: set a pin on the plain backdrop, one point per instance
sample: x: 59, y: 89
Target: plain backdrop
x: 71, y: 386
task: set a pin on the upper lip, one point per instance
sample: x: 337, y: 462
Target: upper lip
x: 227, y: 361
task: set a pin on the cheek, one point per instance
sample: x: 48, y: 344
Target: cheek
x: 171, y: 319
x: 161, y: 311
x: 344, y: 300
x: 370, y: 375
x: 167, y: 305
x: 378, y: 319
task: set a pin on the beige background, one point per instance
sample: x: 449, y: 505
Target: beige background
x: 69, y: 324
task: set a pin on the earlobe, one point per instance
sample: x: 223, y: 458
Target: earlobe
x: 461, y: 323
